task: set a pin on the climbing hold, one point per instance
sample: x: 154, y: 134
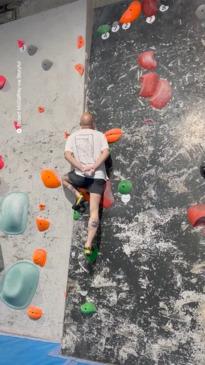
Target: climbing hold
x: 132, y: 13
x: 46, y: 65
x: 163, y: 8
x: 151, y: 19
x: 42, y: 206
x: 162, y: 94
x: 92, y: 258
x: 108, y: 198
x: 113, y: 135
x: 80, y: 69
x: 105, y: 36
x: 42, y: 224
x: 17, y: 126
x: 80, y: 42
x: 76, y: 215
x: 150, y: 7
x: 149, y: 84
x: 88, y: 308
x: 41, y: 109
x: 31, y: 50
x: 14, y: 213
x: 39, y: 257
x: 102, y: 29
x: 1, y: 162
x: 2, y: 81
x: 50, y: 178
x: 196, y: 215
x: 34, y: 313
x: 19, y: 284
x: 66, y: 134
x: 21, y: 45
x: 146, y: 60
x: 126, y: 26
x: 202, y: 170
x: 115, y: 27
x: 125, y: 187
x: 125, y: 198
x: 200, y: 12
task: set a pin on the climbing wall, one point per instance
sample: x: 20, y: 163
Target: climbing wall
x: 147, y: 286
x: 38, y: 58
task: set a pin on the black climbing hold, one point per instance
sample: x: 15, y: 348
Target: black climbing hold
x: 202, y: 170
x: 46, y: 65
x: 31, y: 50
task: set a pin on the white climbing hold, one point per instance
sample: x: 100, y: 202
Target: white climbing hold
x: 151, y: 19
x: 105, y: 35
x: 125, y: 198
x: 163, y: 8
x: 126, y: 26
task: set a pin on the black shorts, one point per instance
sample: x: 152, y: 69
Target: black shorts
x: 96, y: 186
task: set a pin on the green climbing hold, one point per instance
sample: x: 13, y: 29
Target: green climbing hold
x: 102, y: 29
x: 125, y: 187
x: 76, y: 215
x: 92, y: 258
x: 88, y: 308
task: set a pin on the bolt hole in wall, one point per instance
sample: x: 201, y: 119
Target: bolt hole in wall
x: 147, y: 284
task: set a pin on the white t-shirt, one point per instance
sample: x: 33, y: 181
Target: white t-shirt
x: 86, y: 145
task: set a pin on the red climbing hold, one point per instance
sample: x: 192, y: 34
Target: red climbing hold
x: 196, y: 215
x: 162, y: 94
x: 148, y: 84
x: 2, y: 81
x: 41, y: 109
x: 146, y: 60
x: 149, y: 7
x: 1, y: 162
x: 80, y: 69
x: 80, y: 42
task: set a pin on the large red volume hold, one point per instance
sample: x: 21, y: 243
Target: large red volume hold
x: 146, y: 60
x: 148, y: 84
x: 162, y: 94
x: 149, y: 7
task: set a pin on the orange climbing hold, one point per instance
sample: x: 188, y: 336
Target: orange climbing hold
x: 42, y: 224
x: 41, y: 109
x: 113, y: 135
x: 196, y: 215
x: 132, y: 13
x: 80, y: 69
x: 80, y: 42
x: 34, y: 313
x: 42, y: 206
x: 39, y: 257
x: 50, y: 178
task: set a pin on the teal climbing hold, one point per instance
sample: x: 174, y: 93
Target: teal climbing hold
x: 125, y: 187
x: 92, y: 258
x: 76, y: 215
x: 14, y: 213
x: 88, y: 308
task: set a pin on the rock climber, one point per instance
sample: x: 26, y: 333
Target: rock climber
x: 87, y: 150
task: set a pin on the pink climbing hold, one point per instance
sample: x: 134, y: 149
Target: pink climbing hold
x: 149, y: 7
x: 146, y: 60
x: 2, y: 81
x: 20, y: 43
x: 1, y: 163
x: 149, y: 83
x: 162, y: 94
